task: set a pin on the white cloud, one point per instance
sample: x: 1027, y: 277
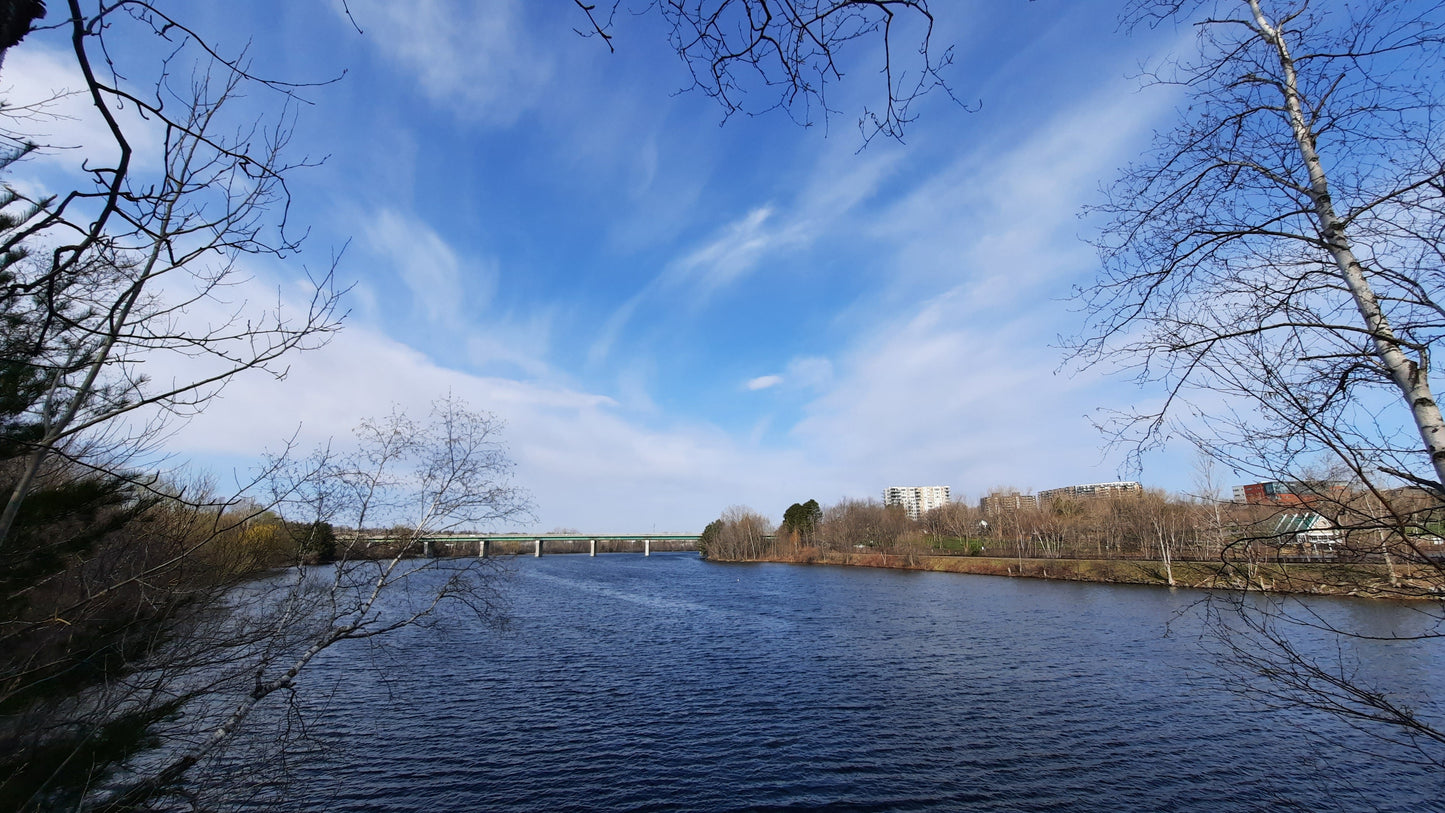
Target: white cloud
x: 802, y: 373
x: 476, y: 59
x: 695, y: 277
x: 426, y: 264
x: 586, y: 462
x: 836, y: 186
x: 839, y: 182
x: 961, y: 388
x: 810, y: 372
x: 45, y: 98
x: 455, y: 295
x: 612, y: 329
x: 941, y: 399
x: 735, y: 251
x: 1002, y: 219
x: 517, y: 346
x: 591, y: 461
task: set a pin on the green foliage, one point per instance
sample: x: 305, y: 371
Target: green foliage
x: 58, y: 773
x: 61, y: 519
x: 967, y: 547
x: 84, y: 598
x: 802, y: 520
x: 317, y: 542
x: 708, y: 541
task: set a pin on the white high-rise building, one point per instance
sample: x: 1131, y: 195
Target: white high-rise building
x: 916, y: 500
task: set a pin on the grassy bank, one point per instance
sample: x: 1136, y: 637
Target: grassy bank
x: 1365, y: 580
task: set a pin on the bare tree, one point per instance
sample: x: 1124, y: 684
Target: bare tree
x: 116, y: 275
x: 856, y: 524
x: 739, y: 534
x: 246, y: 653
x: 1276, y: 263
x: 954, y: 522
x: 125, y: 599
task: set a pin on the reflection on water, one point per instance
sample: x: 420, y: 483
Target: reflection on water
x: 669, y: 683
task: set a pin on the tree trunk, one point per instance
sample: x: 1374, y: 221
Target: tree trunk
x: 1411, y: 377
x: 1164, y: 553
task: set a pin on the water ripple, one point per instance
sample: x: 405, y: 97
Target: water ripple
x: 673, y: 684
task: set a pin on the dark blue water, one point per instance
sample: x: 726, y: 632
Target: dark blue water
x: 669, y: 683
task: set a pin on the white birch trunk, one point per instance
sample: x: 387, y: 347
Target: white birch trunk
x: 1411, y: 377
x: 1164, y: 553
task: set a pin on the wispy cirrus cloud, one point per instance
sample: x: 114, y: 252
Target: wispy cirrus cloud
x: 452, y: 295
x: 426, y: 264
x: 727, y: 257
x: 476, y: 58
x: 828, y: 199
x: 736, y: 251
x: 805, y: 373
x: 837, y: 184
x: 963, y: 385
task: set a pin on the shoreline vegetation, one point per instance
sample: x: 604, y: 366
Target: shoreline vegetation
x: 1328, y: 546
x: 1362, y: 580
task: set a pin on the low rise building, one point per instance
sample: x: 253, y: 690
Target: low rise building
x: 1289, y: 493
x: 1305, y: 534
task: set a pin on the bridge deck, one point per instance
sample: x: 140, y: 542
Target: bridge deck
x: 451, y: 544
x: 565, y: 537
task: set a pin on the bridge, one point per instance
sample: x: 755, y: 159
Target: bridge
x: 486, y: 545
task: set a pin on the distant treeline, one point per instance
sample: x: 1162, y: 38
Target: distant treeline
x: 1150, y: 524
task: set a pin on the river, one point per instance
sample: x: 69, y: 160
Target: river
x: 656, y: 683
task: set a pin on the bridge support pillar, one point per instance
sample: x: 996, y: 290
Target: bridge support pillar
x: 482, y: 548
x: 593, y: 551
x: 538, y: 551
x: 647, y: 547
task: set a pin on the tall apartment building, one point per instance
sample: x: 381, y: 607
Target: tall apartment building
x: 1091, y: 491
x: 916, y: 500
x: 995, y: 505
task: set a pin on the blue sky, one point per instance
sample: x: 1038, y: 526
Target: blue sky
x: 675, y: 316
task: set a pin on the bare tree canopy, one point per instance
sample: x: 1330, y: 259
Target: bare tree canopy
x: 114, y: 276
x: 137, y: 608
x: 1276, y: 262
x: 1284, y: 240
x: 756, y: 56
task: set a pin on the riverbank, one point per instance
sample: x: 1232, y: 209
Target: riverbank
x: 1322, y: 578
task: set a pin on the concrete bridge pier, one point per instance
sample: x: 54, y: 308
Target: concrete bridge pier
x: 482, y: 548
x: 538, y: 550
x: 647, y: 547
x: 593, y: 551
